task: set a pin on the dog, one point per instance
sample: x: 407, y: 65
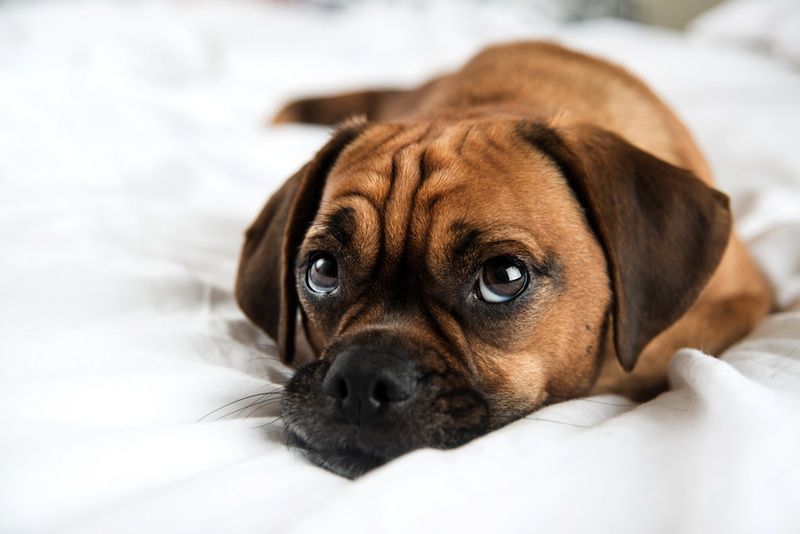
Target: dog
x: 532, y: 228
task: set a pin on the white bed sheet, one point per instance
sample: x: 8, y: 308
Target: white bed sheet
x: 133, y: 152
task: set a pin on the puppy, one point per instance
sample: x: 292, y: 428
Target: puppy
x: 534, y: 227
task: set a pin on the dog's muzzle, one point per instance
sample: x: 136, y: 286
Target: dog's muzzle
x: 376, y: 397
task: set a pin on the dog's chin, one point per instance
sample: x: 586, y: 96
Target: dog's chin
x: 349, y: 463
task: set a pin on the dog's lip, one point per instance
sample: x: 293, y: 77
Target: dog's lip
x: 347, y: 461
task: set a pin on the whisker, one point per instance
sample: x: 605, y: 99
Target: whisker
x: 606, y: 403
x: 268, y: 358
x: 268, y: 393
x: 258, y: 404
x: 559, y: 422
x: 271, y: 422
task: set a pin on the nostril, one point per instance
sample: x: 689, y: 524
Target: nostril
x: 341, y: 389
x: 390, y: 389
x: 380, y: 393
x: 336, y: 386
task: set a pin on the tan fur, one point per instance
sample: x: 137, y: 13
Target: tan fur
x: 540, y: 213
x: 460, y: 128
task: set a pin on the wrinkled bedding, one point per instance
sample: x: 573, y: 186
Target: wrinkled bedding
x: 134, y: 152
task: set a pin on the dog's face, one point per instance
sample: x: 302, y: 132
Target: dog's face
x: 453, y: 278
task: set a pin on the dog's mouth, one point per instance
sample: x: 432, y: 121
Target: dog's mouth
x: 348, y: 462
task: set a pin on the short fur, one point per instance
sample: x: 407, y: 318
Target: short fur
x: 559, y: 159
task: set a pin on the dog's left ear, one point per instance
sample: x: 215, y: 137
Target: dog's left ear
x: 662, y: 229
x: 265, y: 284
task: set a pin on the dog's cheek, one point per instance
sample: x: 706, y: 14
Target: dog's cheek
x: 513, y: 383
x: 575, y: 373
x: 576, y: 334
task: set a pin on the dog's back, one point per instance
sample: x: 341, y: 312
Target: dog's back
x: 538, y: 80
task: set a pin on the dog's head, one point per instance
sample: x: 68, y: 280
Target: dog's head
x: 454, y: 277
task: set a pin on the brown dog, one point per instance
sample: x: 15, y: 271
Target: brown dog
x: 534, y: 227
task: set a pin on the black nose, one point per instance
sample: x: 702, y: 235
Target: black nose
x: 366, y: 384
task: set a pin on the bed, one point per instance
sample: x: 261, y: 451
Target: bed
x: 133, y: 153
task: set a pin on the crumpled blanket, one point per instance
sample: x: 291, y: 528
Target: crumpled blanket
x: 133, y: 154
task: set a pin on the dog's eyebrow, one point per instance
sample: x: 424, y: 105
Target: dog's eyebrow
x: 341, y: 225
x: 467, y: 239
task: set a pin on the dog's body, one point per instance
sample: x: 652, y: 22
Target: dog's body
x: 520, y: 232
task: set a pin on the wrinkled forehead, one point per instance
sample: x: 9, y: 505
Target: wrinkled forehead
x: 422, y: 179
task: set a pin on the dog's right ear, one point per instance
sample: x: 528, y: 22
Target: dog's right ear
x: 265, y: 284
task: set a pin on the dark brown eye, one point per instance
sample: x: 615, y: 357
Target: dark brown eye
x: 322, y: 275
x: 502, y: 279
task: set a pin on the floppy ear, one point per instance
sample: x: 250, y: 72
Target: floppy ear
x: 265, y: 284
x: 662, y: 229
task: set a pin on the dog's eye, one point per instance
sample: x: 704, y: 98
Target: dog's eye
x: 322, y: 275
x: 502, y: 279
